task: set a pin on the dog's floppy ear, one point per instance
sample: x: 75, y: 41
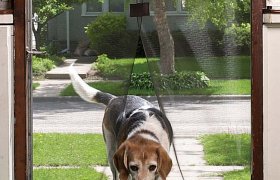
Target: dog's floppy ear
x: 120, y: 161
x: 164, y: 163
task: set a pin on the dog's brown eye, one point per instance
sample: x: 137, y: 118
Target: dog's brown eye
x: 152, y: 167
x: 133, y: 168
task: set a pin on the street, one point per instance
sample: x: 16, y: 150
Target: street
x: 189, y: 117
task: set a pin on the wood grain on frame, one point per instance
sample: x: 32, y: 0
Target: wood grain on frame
x: 257, y: 89
x: 20, y: 159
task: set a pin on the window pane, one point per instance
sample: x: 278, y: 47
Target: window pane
x: 170, y: 5
x: 94, y: 6
x: 116, y: 5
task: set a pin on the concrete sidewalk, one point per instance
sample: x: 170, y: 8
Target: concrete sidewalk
x: 58, y: 78
x: 82, y: 66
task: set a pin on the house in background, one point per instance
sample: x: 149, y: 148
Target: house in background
x: 69, y: 26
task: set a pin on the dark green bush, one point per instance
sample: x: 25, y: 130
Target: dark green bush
x: 141, y: 81
x: 108, y: 35
x: 184, y: 80
x: 176, y: 81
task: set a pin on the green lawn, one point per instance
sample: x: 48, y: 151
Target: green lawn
x: 81, y: 151
x: 234, y: 67
x: 68, y: 174
x: 217, y: 87
x: 35, y: 85
x: 238, y: 175
x: 228, y: 149
x: 68, y: 150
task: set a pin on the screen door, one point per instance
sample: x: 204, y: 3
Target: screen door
x: 190, y: 59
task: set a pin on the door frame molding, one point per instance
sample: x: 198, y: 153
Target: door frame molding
x: 257, y: 88
x: 21, y: 106
x: 22, y: 91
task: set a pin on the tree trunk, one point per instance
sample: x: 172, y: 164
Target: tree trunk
x: 165, y: 38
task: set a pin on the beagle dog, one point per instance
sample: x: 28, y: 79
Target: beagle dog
x: 137, y: 135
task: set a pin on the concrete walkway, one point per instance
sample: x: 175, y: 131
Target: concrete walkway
x: 63, y: 115
x: 82, y: 66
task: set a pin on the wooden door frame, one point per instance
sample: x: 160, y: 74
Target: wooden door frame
x: 21, y: 93
x: 257, y: 88
x: 22, y: 103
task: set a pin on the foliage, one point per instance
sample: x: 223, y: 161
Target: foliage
x: 105, y: 65
x: 230, y: 17
x: 46, y: 10
x: 240, y: 32
x: 40, y: 65
x: 175, y: 81
x: 221, y: 13
x: 141, y: 81
x: 108, y: 34
x: 51, y: 48
x: 216, y: 87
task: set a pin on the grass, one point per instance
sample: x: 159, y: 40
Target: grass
x: 35, y: 85
x: 229, y: 149
x: 234, y: 67
x: 80, y: 152
x: 217, y: 87
x: 238, y: 175
x: 68, y: 174
x: 68, y: 150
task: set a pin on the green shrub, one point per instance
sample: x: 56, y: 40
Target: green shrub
x: 141, y: 81
x: 104, y: 65
x: 184, y: 80
x: 40, y: 65
x: 176, y: 81
x: 108, y: 34
x: 241, y: 33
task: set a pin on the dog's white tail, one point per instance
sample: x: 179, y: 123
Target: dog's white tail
x: 87, y: 92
